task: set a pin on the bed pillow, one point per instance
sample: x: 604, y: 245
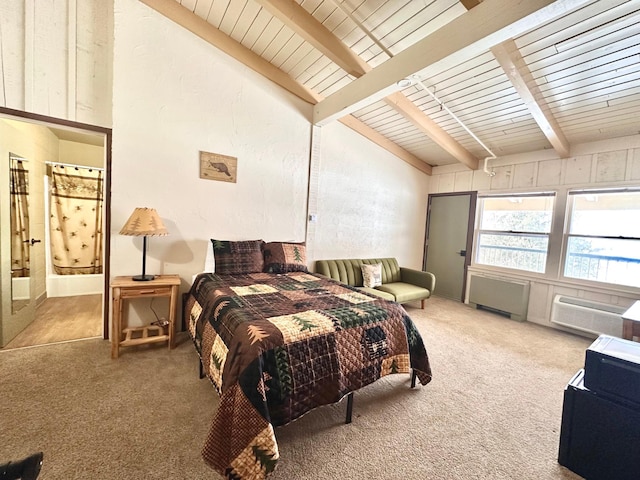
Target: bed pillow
x: 283, y: 257
x: 237, y: 258
x: 372, y: 275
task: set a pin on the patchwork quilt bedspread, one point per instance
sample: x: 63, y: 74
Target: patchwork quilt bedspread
x: 276, y: 346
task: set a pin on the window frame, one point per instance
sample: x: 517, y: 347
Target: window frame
x: 550, y: 235
x: 567, y: 236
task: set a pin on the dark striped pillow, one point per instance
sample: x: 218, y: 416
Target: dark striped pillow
x: 282, y: 257
x: 237, y: 258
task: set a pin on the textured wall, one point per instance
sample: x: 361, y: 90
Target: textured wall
x: 369, y: 204
x: 175, y: 95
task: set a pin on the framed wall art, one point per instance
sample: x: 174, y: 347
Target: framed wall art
x: 214, y: 166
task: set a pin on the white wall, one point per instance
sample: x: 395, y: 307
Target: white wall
x: 175, y: 95
x: 81, y: 154
x: 600, y: 164
x: 369, y: 203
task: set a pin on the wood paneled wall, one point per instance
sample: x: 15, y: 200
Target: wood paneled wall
x: 57, y: 58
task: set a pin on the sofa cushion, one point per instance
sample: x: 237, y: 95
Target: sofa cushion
x: 344, y: 270
x: 404, y: 292
x: 378, y: 293
x: 372, y: 275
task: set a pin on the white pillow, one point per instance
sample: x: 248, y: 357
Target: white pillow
x: 209, y: 259
x: 372, y: 275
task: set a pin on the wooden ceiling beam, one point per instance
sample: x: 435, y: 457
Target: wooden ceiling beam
x: 484, y: 26
x: 469, y: 4
x: 304, y: 24
x: 308, y: 27
x: 363, y: 129
x: 404, y: 106
x: 196, y: 25
x: 511, y: 61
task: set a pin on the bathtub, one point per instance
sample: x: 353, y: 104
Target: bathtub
x: 71, y: 285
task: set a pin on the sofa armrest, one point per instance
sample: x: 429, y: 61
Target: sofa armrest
x: 418, y: 277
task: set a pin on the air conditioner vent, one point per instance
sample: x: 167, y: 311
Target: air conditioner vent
x: 587, y: 316
x: 503, y: 295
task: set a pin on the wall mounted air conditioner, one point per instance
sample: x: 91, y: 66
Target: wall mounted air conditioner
x: 587, y: 316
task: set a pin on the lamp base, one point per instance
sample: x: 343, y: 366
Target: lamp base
x: 143, y: 278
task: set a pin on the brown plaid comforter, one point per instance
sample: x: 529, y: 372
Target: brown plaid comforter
x: 277, y: 346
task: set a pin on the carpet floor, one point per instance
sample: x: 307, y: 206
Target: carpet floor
x: 492, y: 410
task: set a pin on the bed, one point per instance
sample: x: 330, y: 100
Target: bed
x: 278, y: 343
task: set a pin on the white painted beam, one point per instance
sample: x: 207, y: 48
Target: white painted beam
x: 511, y: 61
x: 302, y: 22
x: 488, y: 24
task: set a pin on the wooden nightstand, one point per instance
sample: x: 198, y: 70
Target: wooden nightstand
x: 123, y: 288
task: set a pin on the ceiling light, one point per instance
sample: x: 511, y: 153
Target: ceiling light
x: 404, y: 83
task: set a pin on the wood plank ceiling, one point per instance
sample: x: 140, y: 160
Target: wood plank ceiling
x: 485, y: 78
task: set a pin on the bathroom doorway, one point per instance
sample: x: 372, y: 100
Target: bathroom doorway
x: 56, y: 307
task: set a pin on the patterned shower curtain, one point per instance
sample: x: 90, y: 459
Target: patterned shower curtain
x: 76, y: 220
x: 19, y: 191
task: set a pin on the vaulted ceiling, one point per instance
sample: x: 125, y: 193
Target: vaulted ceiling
x: 438, y: 82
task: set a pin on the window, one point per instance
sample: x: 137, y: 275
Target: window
x: 514, y: 231
x: 603, y: 239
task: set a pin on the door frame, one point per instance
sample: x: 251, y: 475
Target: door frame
x: 59, y: 122
x: 471, y: 220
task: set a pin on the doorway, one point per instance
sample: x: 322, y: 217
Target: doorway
x: 449, y: 240
x: 38, y: 319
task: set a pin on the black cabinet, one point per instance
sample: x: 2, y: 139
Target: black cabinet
x: 600, y: 431
x: 612, y: 368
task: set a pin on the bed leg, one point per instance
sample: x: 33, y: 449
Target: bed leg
x: 414, y: 375
x: 349, y: 408
x: 185, y: 296
x: 201, y: 369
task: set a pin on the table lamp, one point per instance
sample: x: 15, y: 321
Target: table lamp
x: 144, y: 222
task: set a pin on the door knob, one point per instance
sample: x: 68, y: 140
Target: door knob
x: 33, y: 240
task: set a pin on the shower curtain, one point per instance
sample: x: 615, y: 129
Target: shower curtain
x: 76, y: 220
x: 19, y: 191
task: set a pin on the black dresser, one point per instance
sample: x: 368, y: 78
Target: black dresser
x: 600, y: 431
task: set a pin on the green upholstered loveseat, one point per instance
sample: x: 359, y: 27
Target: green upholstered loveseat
x: 398, y: 283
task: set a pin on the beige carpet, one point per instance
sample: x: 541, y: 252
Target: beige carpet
x: 491, y: 412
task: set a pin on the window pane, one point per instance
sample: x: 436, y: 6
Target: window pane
x: 518, y: 214
x: 604, y: 260
x: 606, y: 214
x: 524, y: 252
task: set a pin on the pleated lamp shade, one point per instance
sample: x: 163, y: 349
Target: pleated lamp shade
x: 144, y: 222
